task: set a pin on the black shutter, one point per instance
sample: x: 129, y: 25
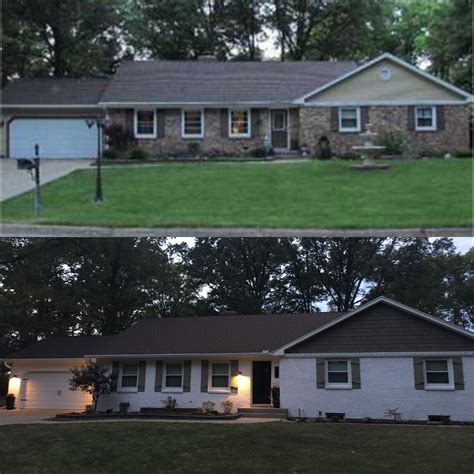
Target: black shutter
x: 418, y: 371
x: 158, y: 375
x: 204, y: 375
x: 335, y: 119
x: 440, y: 117
x: 458, y: 373
x: 320, y: 373
x: 234, y: 376
x: 160, y: 123
x: 255, y: 120
x: 411, y: 118
x: 224, y: 123
x: 355, y: 368
x: 364, y: 117
x: 141, y: 375
x: 187, y: 376
x: 115, y: 373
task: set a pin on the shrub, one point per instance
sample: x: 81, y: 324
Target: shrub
x: 118, y: 137
x: 123, y: 407
x: 169, y: 403
x: 393, y: 142
x: 110, y: 154
x: 394, y: 414
x: 324, y: 151
x: 208, y: 407
x: 227, y: 406
x: 138, y: 154
x: 262, y: 152
x: 194, y: 148
x: 93, y: 379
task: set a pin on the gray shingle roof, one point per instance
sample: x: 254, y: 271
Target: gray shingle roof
x: 204, y: 335
x: 51, y: 91
x: 222, y: 82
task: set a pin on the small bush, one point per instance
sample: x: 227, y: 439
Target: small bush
x: 110, y: 154
x: 194, y: 148
x: 123, y: 407
x: 89, y: 409
x: 393, y: 142
x: 207, y: 407
x: 138, y: 154
x: 169, y: 403
x: 118, y: 137
x: 394, y: 414
x: 262, y: 152
x: 324, y: 149
x: 463, y: 154
x: 227, y: 406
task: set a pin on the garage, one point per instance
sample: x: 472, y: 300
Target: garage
x: 61, y: 138
x: 50, y: 390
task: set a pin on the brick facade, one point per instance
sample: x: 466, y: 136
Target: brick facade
x: 315, y: 122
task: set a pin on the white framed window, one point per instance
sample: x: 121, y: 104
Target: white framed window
x: 192, y: 123
x: 425, y: 118
x: 338, y: 374
x: 145, y: 124
x: 173, y: 377
x: 240, y: 123
x: 129, y: 377
x: 219, y: 377
x: 438, y: 374
x: 349, y: 119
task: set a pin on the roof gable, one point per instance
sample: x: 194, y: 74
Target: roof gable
x: 406, y: 82
x: 383, y: 325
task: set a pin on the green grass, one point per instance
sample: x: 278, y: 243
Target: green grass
x: 274, y: 447
x: 418, y: 193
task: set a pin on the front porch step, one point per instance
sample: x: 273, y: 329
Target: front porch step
x: 263, y: 412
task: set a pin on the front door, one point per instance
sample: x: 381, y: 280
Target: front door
x: 279, y: 128
x: 261, y: 382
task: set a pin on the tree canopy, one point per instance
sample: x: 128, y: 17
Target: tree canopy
x: 102, y: 286
x: 90, y: 37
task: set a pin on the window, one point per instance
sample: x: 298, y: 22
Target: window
x: 193, y: 124
x: 425, y: 118
x: 174, y: 376
x: 438, y: 374
x: 145, y: 123
x: 338, y: 374
x: 129, y: 377
x: 279, y: 121
x: 349, y: 119
x: 220, y: 377
x: 239, y: 123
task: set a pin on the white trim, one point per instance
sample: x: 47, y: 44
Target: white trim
x: 120, y: 388
x: 195, y: 135
x: 434, y: 125
x: 191, y: 354
x: 135, y: 125
x: 249, y: 125
x: 360, y: 103
x: 209, y: 104
x: 357, y: 128
x: 50, y: 106
x: 164, y: 387
x: 380, y: 299
x: 395, y: 60
x: 338, y: 386
x: 439, y: 386
x: 212, y: 389
x: 312, y: 355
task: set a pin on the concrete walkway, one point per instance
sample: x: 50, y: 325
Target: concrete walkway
x: 19, y: 230
x: 14, y: 181
x: 22, y: 417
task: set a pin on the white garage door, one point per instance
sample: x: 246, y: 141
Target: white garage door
x: 51, y: 390
x: 57, y: 138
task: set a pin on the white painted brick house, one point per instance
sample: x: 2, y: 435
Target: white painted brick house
x: 381, y: 356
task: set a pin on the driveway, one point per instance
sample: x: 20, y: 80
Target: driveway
x: 13, y: 417
x: 14, y: 182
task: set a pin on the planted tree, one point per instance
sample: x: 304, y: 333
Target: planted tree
x: 93, y: 379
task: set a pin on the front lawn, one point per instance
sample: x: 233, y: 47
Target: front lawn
x: 415, y: 193
x: 269, y: 447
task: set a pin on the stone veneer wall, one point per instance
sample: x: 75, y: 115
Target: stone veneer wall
x: 213, y: 143
x: 315, y: 122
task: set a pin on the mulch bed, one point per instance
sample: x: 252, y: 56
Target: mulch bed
x: 380, y: 421
x: 137, y: 415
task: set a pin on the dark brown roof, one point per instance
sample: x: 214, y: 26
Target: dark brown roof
x: 206, y: 335
x: 51, y: 91
x: 62, y: 347
x: 222, y: 82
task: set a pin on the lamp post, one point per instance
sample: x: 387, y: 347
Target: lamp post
x: 100, y: 122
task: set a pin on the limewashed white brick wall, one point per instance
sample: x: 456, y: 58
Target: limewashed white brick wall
x: 192, y: 399
x: 386, y: 383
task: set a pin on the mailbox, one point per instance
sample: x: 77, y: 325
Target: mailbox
x: 25, y: 164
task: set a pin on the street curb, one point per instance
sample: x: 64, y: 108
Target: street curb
x: 18, y: 230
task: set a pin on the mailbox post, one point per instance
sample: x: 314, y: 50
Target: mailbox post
x: 33, y: 166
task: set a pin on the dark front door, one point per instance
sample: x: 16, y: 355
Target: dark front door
x: 280, y: 128
x: 261, y: 382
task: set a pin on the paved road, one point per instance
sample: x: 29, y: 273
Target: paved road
x: 14, y: 182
